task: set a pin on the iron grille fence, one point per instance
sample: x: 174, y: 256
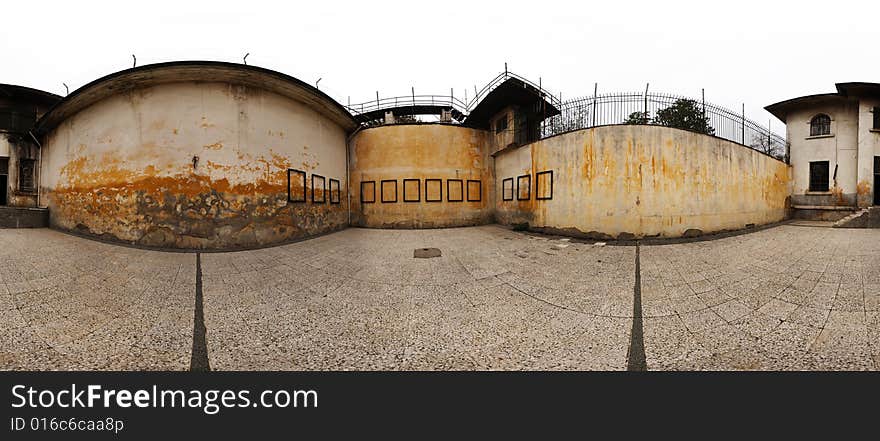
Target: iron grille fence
x: 615, y: 108
x: 599, y: 110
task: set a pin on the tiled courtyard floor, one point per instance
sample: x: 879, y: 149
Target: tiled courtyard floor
x: 789, y: 297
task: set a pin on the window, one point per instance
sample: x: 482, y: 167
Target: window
x: 820, y: 125
x: 819, y: 176
x: 877, y: 118
x: 26, y: 175
x: 501, y: 124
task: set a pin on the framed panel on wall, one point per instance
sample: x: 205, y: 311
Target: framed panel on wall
x: 474, y: 190
x: 433, y: 190
x: 507, y: 189
x: 412, y: 190
x: 524, y: 187
x: 296, y: 185
x: 368, y: 192
x: 544, y: 185
x: 319, y: 183
x: 454, y: 190
x: 335, y: 192
x: 388, y: 190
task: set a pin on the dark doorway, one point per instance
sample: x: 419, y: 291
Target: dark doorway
x: 4, y: 184
x: 877, y: 180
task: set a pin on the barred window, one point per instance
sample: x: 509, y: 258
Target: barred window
x: 877, y: 118
x: 501, y: 124
x: 26, y: 175
x: 819, y: 176
x: 820, y: 125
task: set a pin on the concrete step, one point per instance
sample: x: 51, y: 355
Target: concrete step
x: 864, y: 218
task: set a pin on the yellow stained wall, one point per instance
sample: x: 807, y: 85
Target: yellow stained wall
x: 123, y: 168
x: 638, y: 181
x: 420, y: 151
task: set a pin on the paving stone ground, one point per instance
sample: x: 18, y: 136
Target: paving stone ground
x: 789, y: 297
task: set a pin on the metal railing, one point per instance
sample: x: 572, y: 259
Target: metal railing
x: 591, y: 111
x: 450, y: 101
x: 397, y: 102
x: 616, y: 108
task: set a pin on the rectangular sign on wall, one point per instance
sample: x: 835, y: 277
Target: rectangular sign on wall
x: 296, y: 185
x: 368, y: 192
x: 524, y: 187
x: 454, y: 190
x: 412, y: 190
x: 474, y: 190
x: 319, y: 189
x: 433, y: 190
x: 389, y: 191
x: 544, y: 185
x: 335, y: 194
x: 507, y: 189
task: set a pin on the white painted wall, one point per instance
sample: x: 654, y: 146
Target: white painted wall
x: 840, y: 149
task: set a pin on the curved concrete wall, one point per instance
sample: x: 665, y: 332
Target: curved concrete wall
x: 434, y: 159
x: 193, y: 165
x: 640, y: 181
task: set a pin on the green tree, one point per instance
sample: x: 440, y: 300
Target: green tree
x: 639, y: 118
x: 684, y: 114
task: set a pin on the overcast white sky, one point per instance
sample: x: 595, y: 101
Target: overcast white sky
x: 756, y: 52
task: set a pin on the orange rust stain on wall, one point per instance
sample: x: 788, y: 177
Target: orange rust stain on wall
x: 650, y: 181
x: 215, y: 146
x: 421, y: 152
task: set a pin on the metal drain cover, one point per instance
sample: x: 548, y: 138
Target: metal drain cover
x: 426, y: 253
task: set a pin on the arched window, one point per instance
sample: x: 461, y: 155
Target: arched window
x: 820, y: 125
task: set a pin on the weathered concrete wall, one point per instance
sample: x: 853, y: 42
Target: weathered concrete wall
x: 868, y: 148
x: 22, y: 217
x: 422, y: 152
x: 840, y: 149
x: 192, y: 165
x: 639, y: 181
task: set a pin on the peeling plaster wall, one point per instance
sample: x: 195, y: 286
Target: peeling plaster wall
x: 639, y: 181
x: 421, y: 151
x: 123, y: 168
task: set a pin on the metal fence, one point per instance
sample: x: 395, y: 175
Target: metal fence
x: 592, y: 111
x: 615, y: 108
x: 396, y: 102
